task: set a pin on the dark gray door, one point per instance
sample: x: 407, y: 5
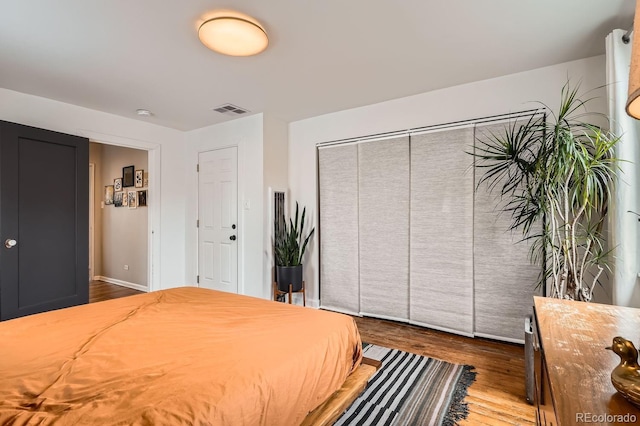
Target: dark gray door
x: 44, y: 202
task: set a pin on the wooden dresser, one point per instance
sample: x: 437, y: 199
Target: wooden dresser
x: 572, y: 366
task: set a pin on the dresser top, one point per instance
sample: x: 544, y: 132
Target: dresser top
x: 573, y: 337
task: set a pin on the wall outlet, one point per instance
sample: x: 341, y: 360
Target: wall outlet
x: 126, y: 267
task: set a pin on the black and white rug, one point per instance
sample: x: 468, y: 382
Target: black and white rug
x: 410, y: 389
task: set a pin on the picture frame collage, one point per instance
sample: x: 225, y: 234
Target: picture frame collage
x: 119, y: 196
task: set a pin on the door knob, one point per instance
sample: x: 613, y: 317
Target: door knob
x: 10, y: 243
x: 233, y: 226
x: 232, y: 238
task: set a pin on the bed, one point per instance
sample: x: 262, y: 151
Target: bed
x: 179, y: 356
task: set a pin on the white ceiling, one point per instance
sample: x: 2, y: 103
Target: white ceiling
x: 324, y: 55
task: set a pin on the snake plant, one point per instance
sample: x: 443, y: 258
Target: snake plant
x: 289, y: 243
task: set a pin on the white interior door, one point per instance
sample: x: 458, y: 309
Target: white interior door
x: 218, y: 219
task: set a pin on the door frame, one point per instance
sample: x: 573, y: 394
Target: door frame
x: 153, y: 207
x: 92, y: 220
x: 239, y: 218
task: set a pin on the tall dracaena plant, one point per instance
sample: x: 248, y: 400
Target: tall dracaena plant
x: 554, y: 177
x: 289, y: 243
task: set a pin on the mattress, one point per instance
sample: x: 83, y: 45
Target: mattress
x: 174, y: 357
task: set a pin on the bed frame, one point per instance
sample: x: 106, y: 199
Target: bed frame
x: 327, y: 413
x: 85, y: 326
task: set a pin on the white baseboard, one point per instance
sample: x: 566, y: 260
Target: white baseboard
x: 504, y: 339
x: 133, y: 286
x: 384, y: 317
x: 297, y: 300
x: 339, y: 310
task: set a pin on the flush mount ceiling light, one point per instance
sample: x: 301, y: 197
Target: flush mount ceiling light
x: 234, y: 34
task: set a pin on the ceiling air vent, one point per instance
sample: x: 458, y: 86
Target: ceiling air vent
x: 230, y: 109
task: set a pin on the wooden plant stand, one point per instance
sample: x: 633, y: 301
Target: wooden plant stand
x: 277, y: 292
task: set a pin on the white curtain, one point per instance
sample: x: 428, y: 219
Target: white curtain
x: 339, y: 264
x: 441, y: 261
x: 624, y: 228
x: 383, y: 227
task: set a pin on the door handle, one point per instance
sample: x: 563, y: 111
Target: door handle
x: 232, y: 238
x: 10, y: 243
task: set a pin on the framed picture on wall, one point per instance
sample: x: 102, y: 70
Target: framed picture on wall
x: 125, y: 199
x: 127, y: 176
x: 117, y: 199
x: 139, y: 178
x: 108, y: 195
x: 117, y: 184
x: 142, y: 198
x: 133, y: 199
x: 145, y: 183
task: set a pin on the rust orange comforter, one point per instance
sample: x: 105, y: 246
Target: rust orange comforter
x: 174, y: 357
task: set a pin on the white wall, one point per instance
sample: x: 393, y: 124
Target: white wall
x: 177, y: 198
x: 276, y: 173
x: 169, y: 225
x: 259, y: 140
x: 501, y: 95
x: 247, y: 134
x: 262, y: 142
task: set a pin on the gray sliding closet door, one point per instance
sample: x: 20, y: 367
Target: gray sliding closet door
x: 504, y: 277
x: 339, y: 270
x: 383, y: 168
x: 441, y: 277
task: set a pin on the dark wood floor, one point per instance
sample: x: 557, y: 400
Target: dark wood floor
x: 496, y: 398
x: 99, y: 291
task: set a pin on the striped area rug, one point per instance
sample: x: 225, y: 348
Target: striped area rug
x: 410, y: 389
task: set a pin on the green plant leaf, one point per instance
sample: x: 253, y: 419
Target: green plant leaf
x: 554, y: 175
x: 289, y: 246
